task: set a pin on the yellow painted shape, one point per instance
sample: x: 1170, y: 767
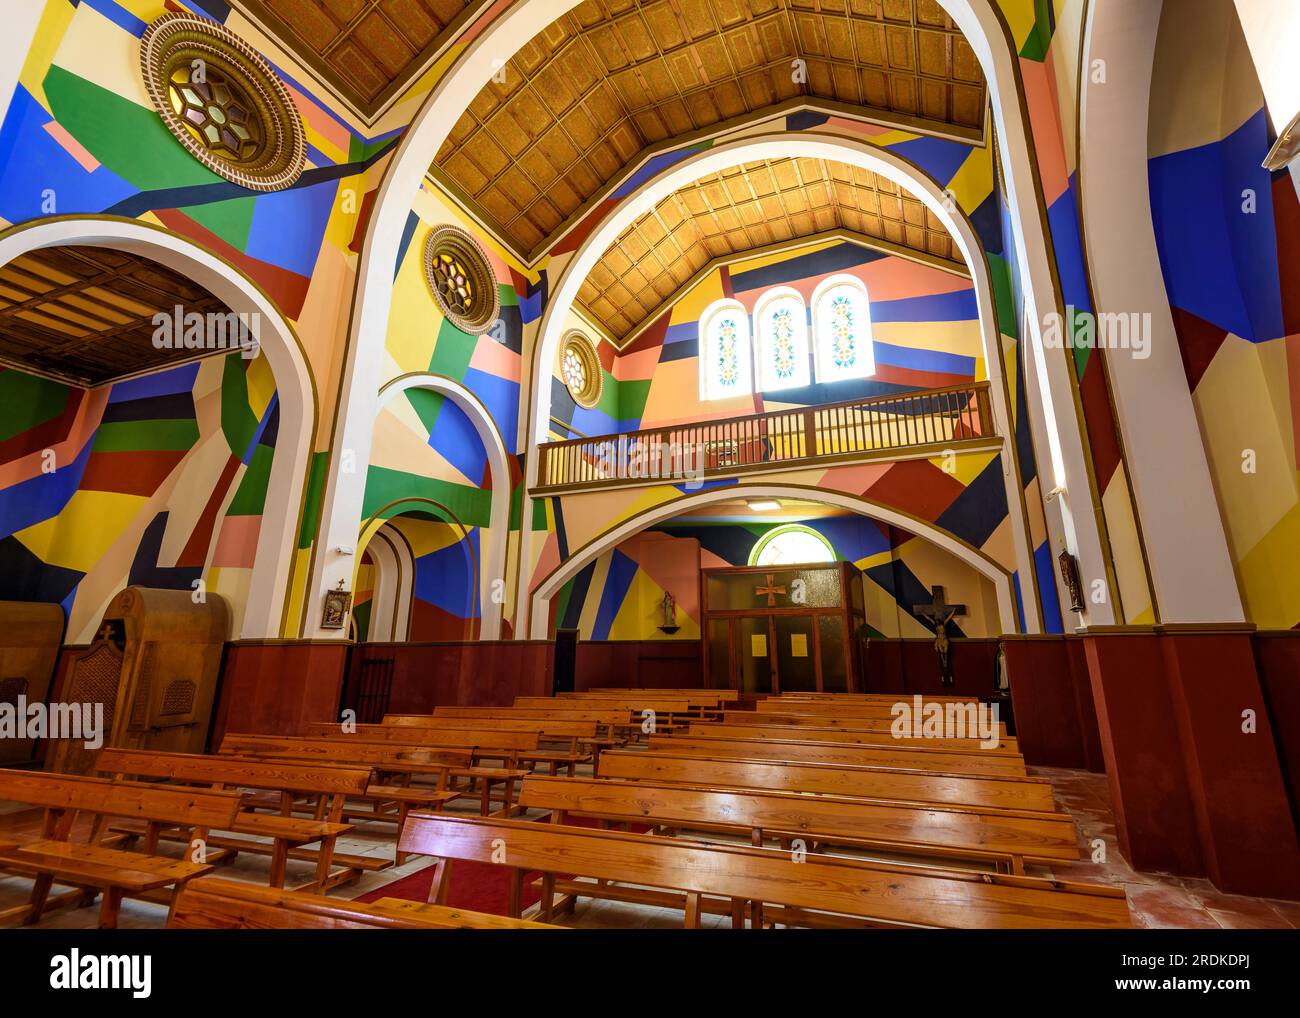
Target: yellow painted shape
x: 700, y: 296
x: 45, y: 43
x: 965, y: 466
x: 95, y: 49
x: 973, y: 182
x: 1269, y: 579
x: 1126, y: 548
x: 1019, y: 15
x: 780, y: 256
x: 261, y: 385
x: 85, y: 529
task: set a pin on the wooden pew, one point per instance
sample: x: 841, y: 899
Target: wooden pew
x: 53, y: 857
x: 667, y: 711
x: 579, y: 737
x: 820, y: 890
x: 847, y: 754
x: 865, y: 724
x: 410, y: 761
x: 996, y: 791
x: 611, y: 718
x: 722, y: 695
x: 211, y: 903
x: 289, y: 835
x: 1005, y: 838
x: 805, y: 733
x: 823, y: 708
x: 873, y: 697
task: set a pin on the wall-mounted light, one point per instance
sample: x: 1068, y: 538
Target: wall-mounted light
x: 763, y: 505
x: 346, y: 549
x: 1287, y: 148
x: 1055, y: 493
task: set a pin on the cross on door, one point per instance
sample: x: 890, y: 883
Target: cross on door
x: 938, y: 610
x: 770, y: 590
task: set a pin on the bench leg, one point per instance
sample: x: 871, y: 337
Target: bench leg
x: 486, y: 807
x: 548, y: 897
x: 403, y: 809
x: 737, y: 913
x: 40, y: 892
x: 516, y: 898
x: 279, y: 856
x: 111, y: 908
x: 439, y: 885
x: 692, y: 911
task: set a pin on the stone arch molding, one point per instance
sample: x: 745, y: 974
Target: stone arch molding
x: 550, y: 586
x: 494, y: 541
x: 984, y: 28
x: 390, y: 603
x: 266, y: 607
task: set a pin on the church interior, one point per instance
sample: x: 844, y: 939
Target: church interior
x: 650, y: 464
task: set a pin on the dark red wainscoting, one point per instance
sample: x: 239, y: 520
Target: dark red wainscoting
x: 275, y: 687
x: 639, y: 664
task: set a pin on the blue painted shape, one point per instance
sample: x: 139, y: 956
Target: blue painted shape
x: 454, y: 437
x: 923, y: 360
x: 288, y: 227
x: 979, y: 509
x: 164, y: 383
x: 1067, y: 243
x: 654, y: 166
x: 618, y: 582
x: 445, y: 577
x: 958, y: 306
x: 408, y: 231
x: 117, y: 14
x: 938, y: 157
x: 853, y: 537
x: 1048, y: 598
x: 41, y: 497
x: 832, y: 259
x: 501, y: 397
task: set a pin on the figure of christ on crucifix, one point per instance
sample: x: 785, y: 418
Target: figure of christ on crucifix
x: 940, y: 613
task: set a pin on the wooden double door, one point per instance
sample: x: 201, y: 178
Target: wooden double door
x: 804, y: 640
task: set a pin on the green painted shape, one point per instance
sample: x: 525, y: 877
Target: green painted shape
x: 28, y: 401
x: 230, y: 220
x: 1004, y: 297
x: 237, y: 421
x: 539, y: 514
x: 426, y: 403
x: 128, y: 139
x: 562, y: 600
x: 610, y: 401
x: 320, y: 462
x: 509, y: 298
x: 472, y: 506
x: 361, y: 615
x: 250, y: 499
x: 632, y: 396
x: 359, y: 151
x: 150, y: 436
x: 1081, y: 353
x: 1040, y: 36
x: 452, y: 352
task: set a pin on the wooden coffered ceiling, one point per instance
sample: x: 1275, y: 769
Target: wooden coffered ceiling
x: 85, y: 314
x: 367, y: 51
x: 755, y: 206
x: 612, y: 78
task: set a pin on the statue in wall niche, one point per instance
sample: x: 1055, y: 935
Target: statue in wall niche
x: 668, y: 606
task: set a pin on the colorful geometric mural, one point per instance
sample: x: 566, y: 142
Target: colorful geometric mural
x: 158, y: 481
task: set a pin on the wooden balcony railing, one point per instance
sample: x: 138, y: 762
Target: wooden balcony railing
x: 929, y: 419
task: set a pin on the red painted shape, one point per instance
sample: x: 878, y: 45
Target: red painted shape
x: 363, y: 220
x: 916, y: 487
x: 1198, y: 342
x: 196, y: 548
x: 287, y: 289
x: 46, y: 434
x: 129, y: 473
x: 1286, y: 219
x: 1102, y: 437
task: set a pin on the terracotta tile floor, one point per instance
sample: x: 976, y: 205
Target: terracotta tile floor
x: 1156, y: 900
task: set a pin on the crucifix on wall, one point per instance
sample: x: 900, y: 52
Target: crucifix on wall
x: 940, y: 613
x: 770, y: 590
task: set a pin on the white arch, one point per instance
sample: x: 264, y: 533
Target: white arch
x: 390, y: 602
x: 985, y: 30
x: 760, y: 306
x: 574, y: 564
x: 277, y: 537
x: 494, y: 539
x: 778, y: 146
x: 744, y: 353
x: 825, y: 370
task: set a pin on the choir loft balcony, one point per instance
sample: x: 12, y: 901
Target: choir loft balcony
x: 909, y: 425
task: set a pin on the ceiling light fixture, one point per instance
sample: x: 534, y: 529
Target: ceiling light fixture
x: 763, y: 505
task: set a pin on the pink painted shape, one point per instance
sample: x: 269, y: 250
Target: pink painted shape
x: 237, y: 542
x: 494, y: 359
x: 83, y: 428
x: 854, y: 480
x: 637, y: 366
x: 547, y: 561
x: 73, y: 147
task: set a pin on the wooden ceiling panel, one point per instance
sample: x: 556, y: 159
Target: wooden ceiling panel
x: 86, y: 315
x: 367, y: 51
x: 746, y: 208
x: 611, y: 78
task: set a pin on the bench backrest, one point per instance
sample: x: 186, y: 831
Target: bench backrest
x: 728, y: 695
x: 210, y: 903
x: 348, y: 751
x: 913, y: 757
x: 858, y: 723
x: 542, y: 726
x: 859, y: 782
x: 964, y: 830
x: 890, y: 894
x: 601, y: 715
x: 873, y: 697
x: 858, y: 709
x: 135, y: 800
x: 215, y: 770
x: 804, y: 733
x: 452, y: 738
x: 634, y: 703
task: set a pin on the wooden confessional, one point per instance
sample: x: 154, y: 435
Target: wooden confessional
x: 30, y: 637
x: 773, y: 629
x: 154, y: 666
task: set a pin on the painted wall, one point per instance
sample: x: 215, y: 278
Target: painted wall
x: 1228, y: 233
x: 158, y: 481
x: 924, y: 324
x: 617, y: 597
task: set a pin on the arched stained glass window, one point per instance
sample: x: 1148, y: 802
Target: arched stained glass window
x: 792, y: 544
x: 725, y: 369
x: 781, y: 321
x: 842, y: 330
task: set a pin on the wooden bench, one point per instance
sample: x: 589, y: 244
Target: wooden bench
x: 985, y: 790
x: 820, y: 890
x: 53, y: 857
x: 721, y: 695
x: 579, y: 737
x: 329, y: 786
x: 872, y: 697
x: 861, y: 709
x: 1002, y: 838
x: 402, y: 759
x: 867, y: 724
x: 857, y: 736
x: 211, y: 903
x: 848, y: 754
